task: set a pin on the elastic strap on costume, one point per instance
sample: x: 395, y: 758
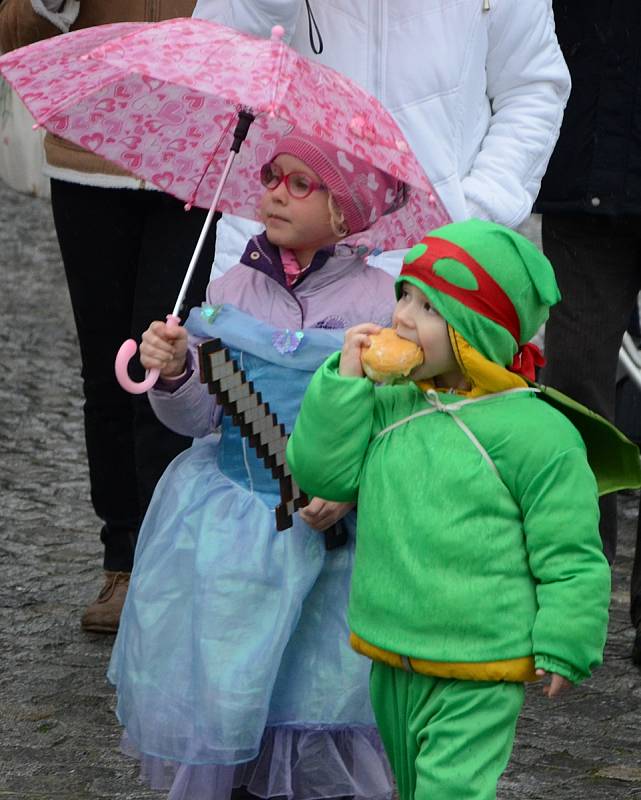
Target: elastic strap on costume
x: 450, y: 408
x: 407, y: 664
x: 476, y: 443
x: 436, y: 405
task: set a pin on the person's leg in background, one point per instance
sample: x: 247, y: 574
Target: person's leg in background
x: 598, y: 272
x: 635, y: 595
x: 628, y: 418
x: 634, y: 329
x: 598, y: 267
x: 101, y: 233
x: 98, y: 231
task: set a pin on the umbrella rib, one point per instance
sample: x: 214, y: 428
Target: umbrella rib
x: 77, y: 97
x: 278, y: 76
x: 192, y: 199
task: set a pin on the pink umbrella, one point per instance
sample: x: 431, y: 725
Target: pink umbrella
x: 172, y: 102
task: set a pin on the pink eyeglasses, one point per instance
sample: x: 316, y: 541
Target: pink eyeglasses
x: 298, y: 184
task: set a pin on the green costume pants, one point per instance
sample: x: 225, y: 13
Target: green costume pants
x: 446, y: 739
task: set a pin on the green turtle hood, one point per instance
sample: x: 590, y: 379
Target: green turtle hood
x: 519, y: 276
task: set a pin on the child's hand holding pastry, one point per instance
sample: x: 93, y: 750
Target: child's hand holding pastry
x: 357, y: 339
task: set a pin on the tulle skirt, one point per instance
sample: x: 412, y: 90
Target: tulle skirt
x: 292, y: 763
x: 232, y: 663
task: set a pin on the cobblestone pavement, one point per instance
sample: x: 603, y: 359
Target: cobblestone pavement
x: 58, y: 735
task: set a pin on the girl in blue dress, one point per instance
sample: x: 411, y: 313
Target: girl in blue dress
x: 232, y: 663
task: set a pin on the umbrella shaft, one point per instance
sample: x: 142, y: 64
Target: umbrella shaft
x: 245, y: 119
x: 203, y: 234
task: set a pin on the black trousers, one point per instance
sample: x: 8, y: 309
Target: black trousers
x: 125, y: 253
x: 597, y: 261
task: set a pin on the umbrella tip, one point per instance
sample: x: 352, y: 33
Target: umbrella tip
x: 277, y: 33
x: 188, y: 206
x: 35, y: 127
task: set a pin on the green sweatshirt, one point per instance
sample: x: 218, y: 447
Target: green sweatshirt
x: 466, y: 553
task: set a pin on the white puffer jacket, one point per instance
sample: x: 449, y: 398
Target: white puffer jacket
x: 478, y: 92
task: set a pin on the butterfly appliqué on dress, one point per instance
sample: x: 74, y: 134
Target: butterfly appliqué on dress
x: 287, y: 341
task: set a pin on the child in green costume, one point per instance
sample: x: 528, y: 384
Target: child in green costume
x: 478, y: 559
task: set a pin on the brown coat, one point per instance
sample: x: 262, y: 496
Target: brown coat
x: 20, y: 25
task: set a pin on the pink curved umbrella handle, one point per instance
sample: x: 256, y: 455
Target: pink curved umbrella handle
x: 126, y: 352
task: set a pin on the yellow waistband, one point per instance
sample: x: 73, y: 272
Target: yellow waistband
x: 511, y: 669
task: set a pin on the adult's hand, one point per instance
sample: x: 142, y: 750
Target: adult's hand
x: 53, y: 5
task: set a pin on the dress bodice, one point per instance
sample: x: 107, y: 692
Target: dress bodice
x: 279, y: 363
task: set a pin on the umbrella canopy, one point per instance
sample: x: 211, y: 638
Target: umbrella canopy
x: 161, y: 100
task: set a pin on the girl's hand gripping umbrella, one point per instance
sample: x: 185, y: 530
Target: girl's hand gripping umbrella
x: 126, y: 352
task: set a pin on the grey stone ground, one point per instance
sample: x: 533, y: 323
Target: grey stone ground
x: 58, y: 735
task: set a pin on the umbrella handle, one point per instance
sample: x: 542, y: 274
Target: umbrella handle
x: 126, y: 352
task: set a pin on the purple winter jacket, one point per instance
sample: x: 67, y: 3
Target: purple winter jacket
x: 337, y: 290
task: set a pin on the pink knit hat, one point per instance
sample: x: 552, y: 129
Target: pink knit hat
x: 362, y: 192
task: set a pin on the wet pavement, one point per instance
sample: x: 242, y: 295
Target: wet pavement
x: 58, y: 735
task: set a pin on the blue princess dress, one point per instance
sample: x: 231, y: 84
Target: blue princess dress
x: 232, y: 663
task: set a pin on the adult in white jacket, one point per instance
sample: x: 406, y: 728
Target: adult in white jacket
x: 477, y: 86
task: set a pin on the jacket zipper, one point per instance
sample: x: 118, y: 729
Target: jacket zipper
x: 285, y: 288
x: 294, y: 298
x: 486, y: 5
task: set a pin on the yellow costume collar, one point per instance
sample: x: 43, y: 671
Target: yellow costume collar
x: 484, y: 376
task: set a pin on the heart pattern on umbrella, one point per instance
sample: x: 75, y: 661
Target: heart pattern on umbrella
x: 143, y: 95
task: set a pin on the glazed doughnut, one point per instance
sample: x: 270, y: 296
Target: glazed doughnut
x: 390, y: 358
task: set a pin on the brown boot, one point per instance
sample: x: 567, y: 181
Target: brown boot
x: 103, y: 615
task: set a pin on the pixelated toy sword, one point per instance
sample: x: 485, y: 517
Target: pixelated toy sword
x: 239, y: 400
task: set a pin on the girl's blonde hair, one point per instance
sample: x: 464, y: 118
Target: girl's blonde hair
x: 336, y: 218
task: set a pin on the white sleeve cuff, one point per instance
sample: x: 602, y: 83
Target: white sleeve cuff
x: 475, y: 210
x: 61, y: 13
